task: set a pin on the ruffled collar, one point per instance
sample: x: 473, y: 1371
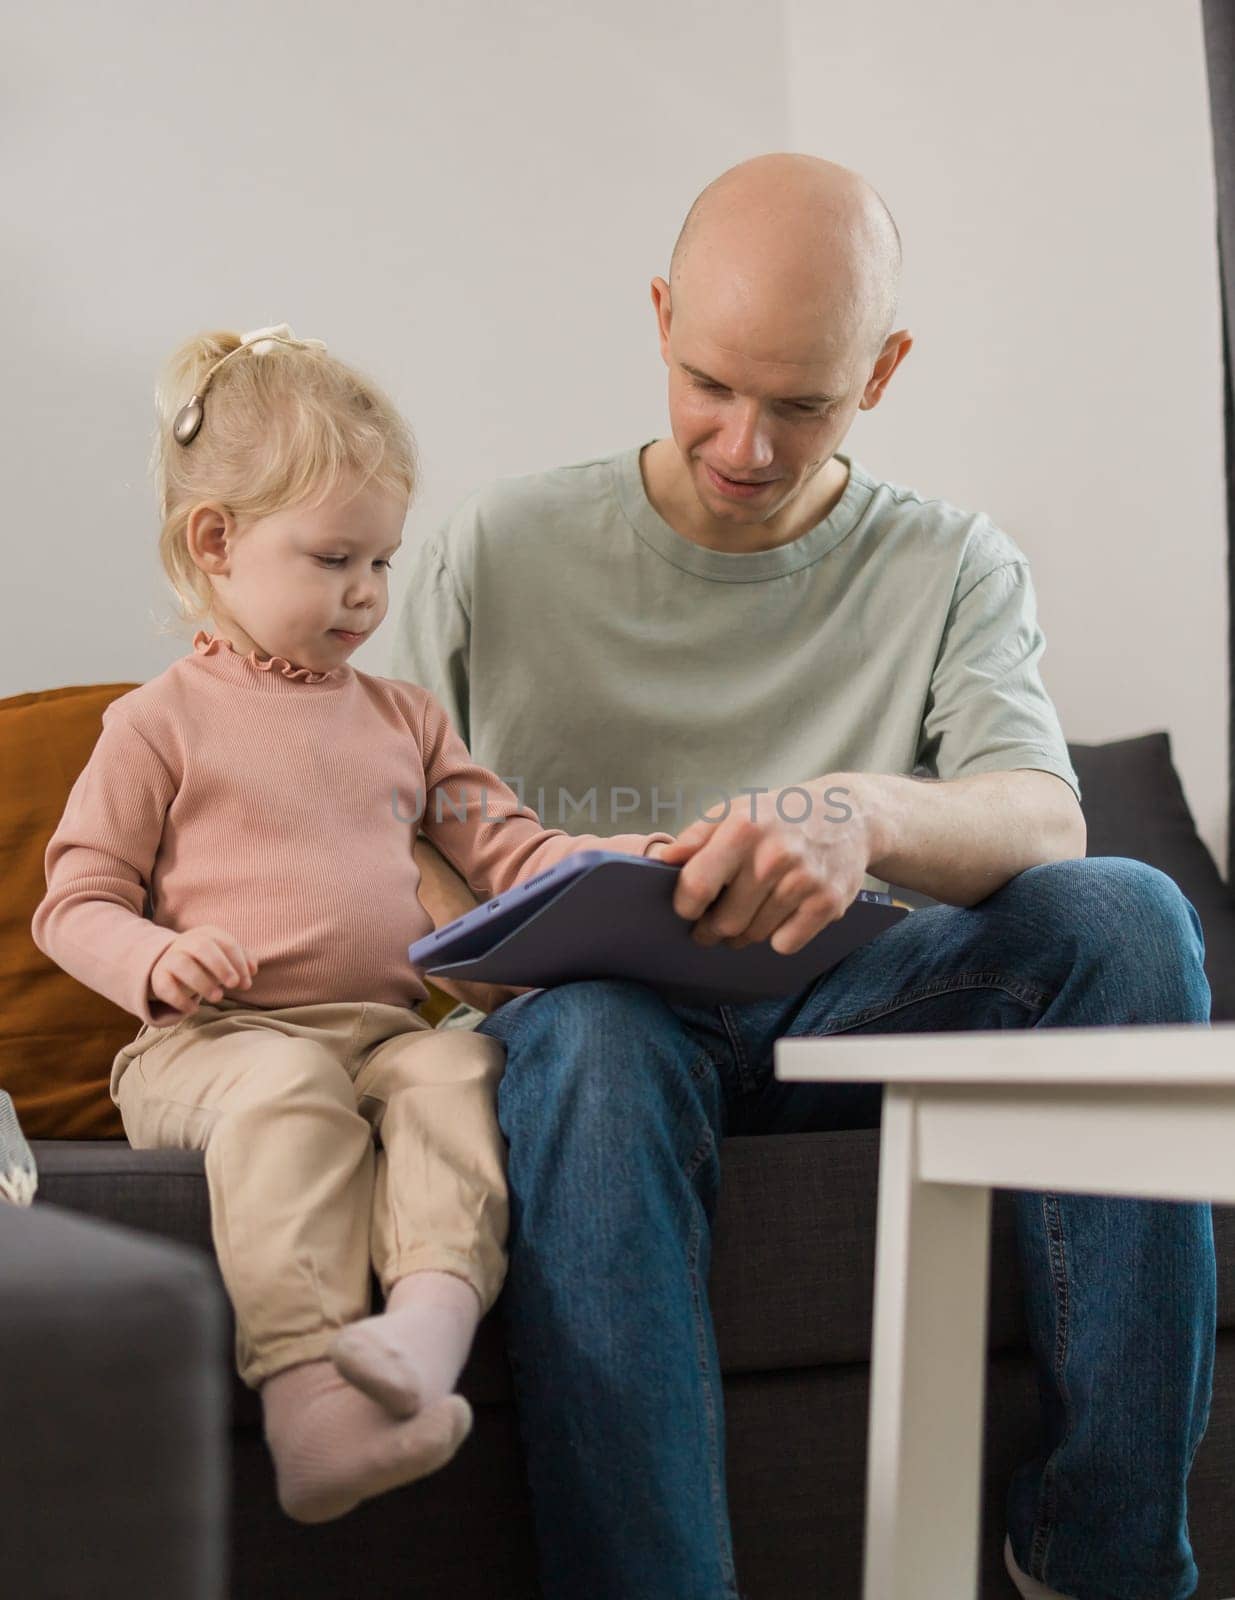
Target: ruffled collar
x: 208, y: 644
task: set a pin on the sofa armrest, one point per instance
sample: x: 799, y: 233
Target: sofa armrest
x: 113, y: 1412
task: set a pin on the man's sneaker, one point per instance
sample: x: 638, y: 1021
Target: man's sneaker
x: 1028, y: 1588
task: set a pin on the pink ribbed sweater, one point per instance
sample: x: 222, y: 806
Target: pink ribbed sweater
x: 279, y: 804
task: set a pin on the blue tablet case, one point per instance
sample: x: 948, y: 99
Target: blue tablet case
x: 600, y: 914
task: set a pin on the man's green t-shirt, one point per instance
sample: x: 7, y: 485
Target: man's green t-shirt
x: 621, y: 677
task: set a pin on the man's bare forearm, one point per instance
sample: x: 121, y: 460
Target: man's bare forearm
x: 960, y: 839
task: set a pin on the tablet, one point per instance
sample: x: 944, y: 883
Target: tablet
x: 602, y: 914
x: 479, y: 930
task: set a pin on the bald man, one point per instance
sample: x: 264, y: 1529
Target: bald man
x: 675, y: 637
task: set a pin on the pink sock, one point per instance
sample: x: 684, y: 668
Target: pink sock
x: 334, y: 1447
x: 411, y: 1355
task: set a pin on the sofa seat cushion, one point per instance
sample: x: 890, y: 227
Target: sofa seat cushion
x: 793, y: 1260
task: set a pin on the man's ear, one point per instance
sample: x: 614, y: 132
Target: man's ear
x: 208, y: 534
x: 664, y: 312
x: 895, y: 348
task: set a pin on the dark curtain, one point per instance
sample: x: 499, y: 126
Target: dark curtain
x: 1219, y: 22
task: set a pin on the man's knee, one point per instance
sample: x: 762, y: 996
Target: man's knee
x: 1115, y: 890
x: 1122, y: 913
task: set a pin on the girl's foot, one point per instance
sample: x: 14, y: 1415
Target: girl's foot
x: 334, y: 1447
x: 412, y: 1354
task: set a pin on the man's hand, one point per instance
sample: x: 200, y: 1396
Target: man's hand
x: 754, y: 875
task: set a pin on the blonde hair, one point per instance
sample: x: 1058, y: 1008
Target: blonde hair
x: 282, y: 428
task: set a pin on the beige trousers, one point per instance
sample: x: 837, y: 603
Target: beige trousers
x: 289, y: 1106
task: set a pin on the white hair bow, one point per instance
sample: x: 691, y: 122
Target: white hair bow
x: 262, y: 341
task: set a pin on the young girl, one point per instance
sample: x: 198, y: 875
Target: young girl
x: 234, y: 866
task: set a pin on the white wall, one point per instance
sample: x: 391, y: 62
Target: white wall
x: 1051, y: 172
x: 468, y: 201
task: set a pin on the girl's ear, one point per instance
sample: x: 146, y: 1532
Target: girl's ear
x: 208, y: 534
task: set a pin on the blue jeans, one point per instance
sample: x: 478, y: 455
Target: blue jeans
x: 615, y: 1102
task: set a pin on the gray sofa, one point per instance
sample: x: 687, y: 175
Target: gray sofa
x: 791, y: 1292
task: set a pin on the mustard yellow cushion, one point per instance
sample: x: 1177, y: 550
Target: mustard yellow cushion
x: 57, y: 1038
x: 438, y: 1005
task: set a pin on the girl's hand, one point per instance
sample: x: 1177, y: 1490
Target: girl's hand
x: 197, y: 965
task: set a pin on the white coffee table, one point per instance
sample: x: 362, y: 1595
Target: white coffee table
x: 1139, y: 1111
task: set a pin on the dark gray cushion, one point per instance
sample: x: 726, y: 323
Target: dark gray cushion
x: 1134, y: 805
